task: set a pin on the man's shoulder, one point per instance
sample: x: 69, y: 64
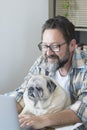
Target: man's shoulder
x: 79, y: 58
x: 36, y: 66
x: 38, y: 61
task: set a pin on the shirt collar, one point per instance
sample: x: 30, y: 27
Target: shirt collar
x: 79, y: 59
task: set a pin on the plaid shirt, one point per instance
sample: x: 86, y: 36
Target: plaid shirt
x: 78, y: 84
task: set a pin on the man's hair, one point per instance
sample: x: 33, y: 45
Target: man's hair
x: 63, y: 25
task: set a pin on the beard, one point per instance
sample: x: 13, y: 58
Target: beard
x: 58, y: 63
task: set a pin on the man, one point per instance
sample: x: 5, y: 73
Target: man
x: 63, y: 61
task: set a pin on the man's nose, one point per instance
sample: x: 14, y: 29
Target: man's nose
x: 49, y: 51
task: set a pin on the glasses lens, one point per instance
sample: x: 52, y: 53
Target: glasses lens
x: 54, y: 48
x: 44, y: 47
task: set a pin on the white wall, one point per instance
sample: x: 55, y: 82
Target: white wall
x: 20, y: 32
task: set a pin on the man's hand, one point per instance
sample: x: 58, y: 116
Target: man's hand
x: 36, y: 122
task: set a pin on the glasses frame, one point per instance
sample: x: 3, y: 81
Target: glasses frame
x: 51, y: 46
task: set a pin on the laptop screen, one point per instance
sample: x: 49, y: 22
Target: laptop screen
x: 8, y: 113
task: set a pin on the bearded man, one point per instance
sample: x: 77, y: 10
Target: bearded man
x: 64, y: 62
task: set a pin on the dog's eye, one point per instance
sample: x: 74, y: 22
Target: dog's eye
x: 30, y: 90
x: 51, y: 86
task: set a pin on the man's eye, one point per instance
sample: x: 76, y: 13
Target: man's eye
x: 44, y: 46
x: 55, y: 46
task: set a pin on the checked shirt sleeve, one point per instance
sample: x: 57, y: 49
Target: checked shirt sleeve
x: 80, y: 91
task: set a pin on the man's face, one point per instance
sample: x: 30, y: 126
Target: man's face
x: 52, y: 53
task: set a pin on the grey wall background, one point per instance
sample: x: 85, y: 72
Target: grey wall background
x: 20, y: 32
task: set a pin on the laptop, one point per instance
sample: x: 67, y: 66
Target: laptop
x: 8, y: 113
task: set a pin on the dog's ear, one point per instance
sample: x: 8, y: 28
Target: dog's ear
x: 51, y: 85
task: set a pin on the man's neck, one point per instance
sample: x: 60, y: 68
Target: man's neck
x: 65, y: 69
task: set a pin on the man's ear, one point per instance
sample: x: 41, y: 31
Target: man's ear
x: 51, y: 85
x: 72, y: 45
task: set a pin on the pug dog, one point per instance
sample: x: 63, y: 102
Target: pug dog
x: 44, y: 95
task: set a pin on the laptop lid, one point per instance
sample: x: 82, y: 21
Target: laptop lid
x: 8, y: 113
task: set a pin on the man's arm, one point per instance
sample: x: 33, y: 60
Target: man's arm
x: 63, y: 118
x: 19, y: 108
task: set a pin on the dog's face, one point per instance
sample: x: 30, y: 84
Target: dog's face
x: 40, y: 88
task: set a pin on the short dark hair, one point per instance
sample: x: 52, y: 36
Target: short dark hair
x: 63, y: 24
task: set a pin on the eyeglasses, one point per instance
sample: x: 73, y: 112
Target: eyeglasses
x: 54, y: 47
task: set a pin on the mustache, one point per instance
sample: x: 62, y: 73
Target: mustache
x: 52, y: 56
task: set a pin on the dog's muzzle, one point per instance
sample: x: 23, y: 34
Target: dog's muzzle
x: 35, y: 92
